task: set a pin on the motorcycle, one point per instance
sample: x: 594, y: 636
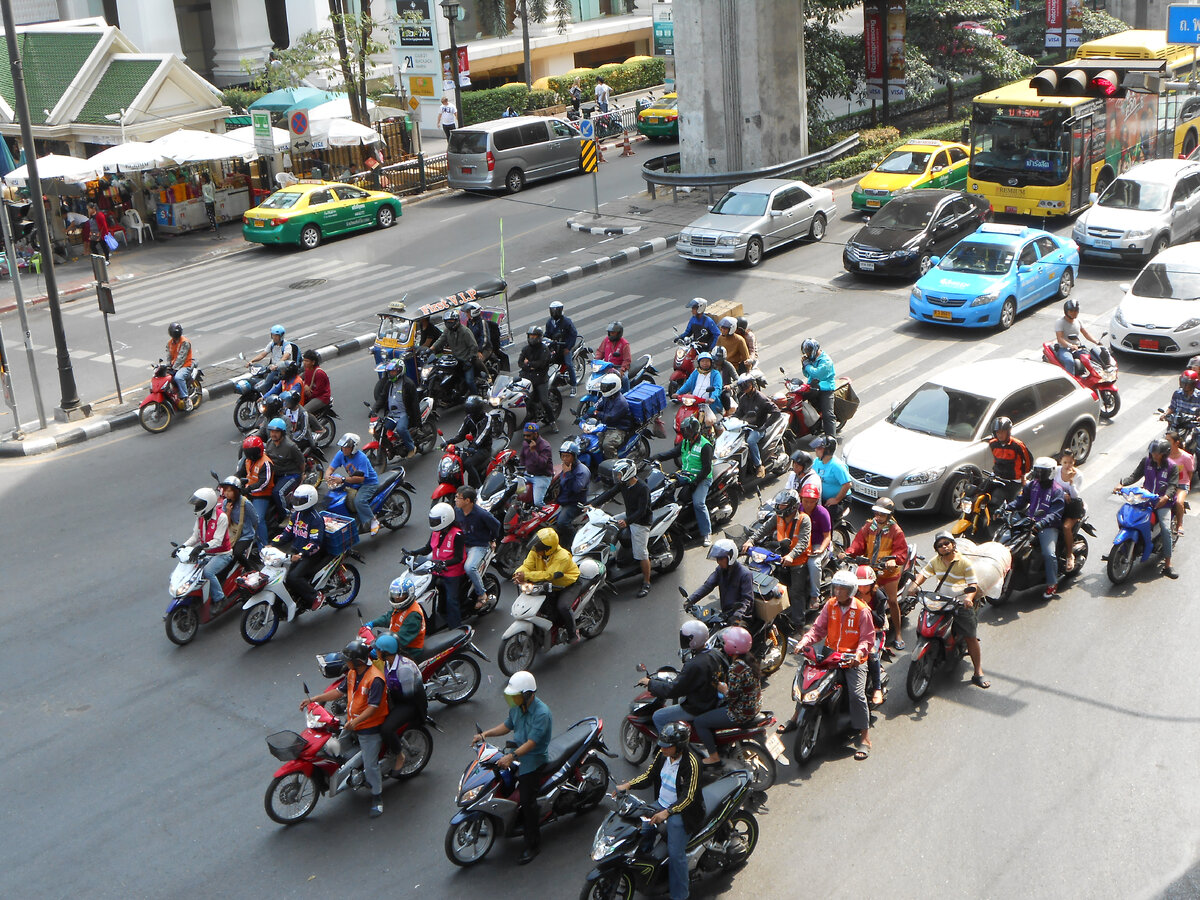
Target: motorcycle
x: 628, y: 861
x: 938, y: 644
x: 451, y: 474
x: 722, y: 501
x: 250, y: 390
x: 685, y: 360
x: 163, y: 401
x: 391, y: 504
x: 532, y: 630
x: 442, y: 377
x: 804, y: 419
x: 1099, y: 374
x: 636, y: 445
x: 191, y: 604
x: 983, y: 496
x: 270, y: 602
x: 521, y: 524
x: 325, y: 759
x: 701, y: 408
x: 489, y: 799
x: 510, y: 396
x: 603, y: 540
x: 577, y: 359
x: 1186, y: 426
x: 323, y: 427
x: 1139, y: 535
x: 821, y: 693
x: 384, y: 445
x: 505, y: 480
x: 768, y: 642
x: 732, y: 444
x: 1028, y: 569
x: 431, y: 592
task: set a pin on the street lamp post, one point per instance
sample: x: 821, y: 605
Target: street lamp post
x: 450, y: 11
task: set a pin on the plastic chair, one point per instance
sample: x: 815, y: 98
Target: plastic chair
x: 116, y: 230
x: 132, y: 220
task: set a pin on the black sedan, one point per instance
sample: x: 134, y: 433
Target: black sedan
x: 911, y: 229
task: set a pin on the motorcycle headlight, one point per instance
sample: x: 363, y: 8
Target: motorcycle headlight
x: 917, y: 294
x: 728, y: 240
x: 797, y: 694
x: 924, y: 477
x: 469, y: 796
x: 426, y: 371
x: 604, y: 845
x: 811, y: 696
x: 1188, y: 325
x: 495, y: 401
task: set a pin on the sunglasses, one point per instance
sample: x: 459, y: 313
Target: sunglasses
x: 942, y: 546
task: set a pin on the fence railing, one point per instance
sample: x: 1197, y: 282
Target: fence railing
x: 413, y: 176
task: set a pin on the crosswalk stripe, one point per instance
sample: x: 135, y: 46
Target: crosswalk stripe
x: 848, y: 365
x: 1116, y: 450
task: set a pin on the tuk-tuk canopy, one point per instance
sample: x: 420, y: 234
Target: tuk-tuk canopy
x: 400, y: 309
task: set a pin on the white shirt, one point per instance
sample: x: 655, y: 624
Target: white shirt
x: 703, y: 382
x: 795, y: 482
x: 449, y: 115
x: 602, y: 91
x: 1071, y: 489
x: 667, y: 795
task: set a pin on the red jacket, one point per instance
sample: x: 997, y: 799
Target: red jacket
x: 618, y: 355
x: 100, y: 220
x: 316, y: 384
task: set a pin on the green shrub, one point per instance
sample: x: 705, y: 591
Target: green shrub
x: 239, y: 99
x: 865, y: 159
x: 877, y: 137
x: 541, y: 100
x: 490, y: 103
x: 621, y: 77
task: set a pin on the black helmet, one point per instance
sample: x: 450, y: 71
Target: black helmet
x: 175, y: 331
x: 690, y: 428
x: 617, y: 327
x: 450, y: 317
x: 1159, y: 445
x: 743, y: 323
x: 535, y: 331
x: 357, y: 651
x: 674, y: 734
x: 291, y: 398
x: 272, y: 406
x: 1002, y: 423
x: 475, y: 405
x: 291, y: 370
x: 823, y: 442
x: 786, y: 503
x: 803, y: 457
x: 1071, y: 306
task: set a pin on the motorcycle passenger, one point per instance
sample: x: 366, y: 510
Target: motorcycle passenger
x: 1186, y: 402
x: 396, y: 400
x: 639, y: 515
x: 743, y: 328
x: 549, y: 561
x: 255, y: 472
x: 613, y: 412
x: 789, y: 532
x: 729, y: 377
x: 1011, y: 459
x: 537, y: 459
x: 876, y: 601
x: 211, y: 532
x: 179, y: 358
x: 758, y: 412
x: 704, y: 381
x: 563, y: 337
x: 406, y: 696
x: 482, y: 332
x: 365, y: 688
x: 533, y: 363
x: 695, y: 687
x: 289, y: 380
x: 277, y: 353
x: 305, y: 531
x: 701, y: 327
x: 742, y: 692
x: 615, y: 349
x: 882, y: 537
x: 530, y: 722
x: 243, y: 518
x: 573, y: 483
x: 736, y: 350
x: 1067, y: 346
x: 1186, y: 463
x: 1068, y: 479
x: 287, y: 461
x: 361, y: 481
x: 1045, y: 502
x: 802, y: 472
x: 270, y: 408
x: 818, y: 369
x: 428, y: 333
x: 460, y: 343
x: 480, y: 531
x: 316, y: 383
x: 674, y: 777
x: 1159, y: 476
x: 405, y: 622
x: 694, y: 453
x: 734, y: 583
x: 847, y: 626
x: 446, y: 546
x: 483, y: 430
x: 834, y: 475
x: 820, y: 541
x: 298, y: 424
x: 953, y: 571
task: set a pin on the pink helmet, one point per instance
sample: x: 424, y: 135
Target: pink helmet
x: 736, y: 640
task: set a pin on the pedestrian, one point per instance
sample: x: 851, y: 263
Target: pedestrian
x: 603, y: 92
x: 576, y: 95
x: 208, y: 191
x: 448, y: 117
x: 98, y: 232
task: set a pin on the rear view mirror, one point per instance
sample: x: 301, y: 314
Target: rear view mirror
x: 1024, y: 269
x: 1125, y: 286
x: 1092, y: 197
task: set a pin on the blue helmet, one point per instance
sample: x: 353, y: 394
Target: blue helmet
x: 277, y: 424
x: 403, y: 592
x: 277, y: 329
x: 704, y: 355
x: 387, y: 643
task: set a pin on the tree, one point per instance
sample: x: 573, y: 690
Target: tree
x: 493, y: 15
x: 834, y: 65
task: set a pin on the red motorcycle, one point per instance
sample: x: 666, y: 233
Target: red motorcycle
x: 163, y: 401
x: 938, y: 645
x: 191, y: 603
x: 1099, y: 374
x: 384, y: 445
x: 520, y: 525
x: 804, y: 419
x: 685, y: 361
x: 701, y: 408
x: 449, y: 475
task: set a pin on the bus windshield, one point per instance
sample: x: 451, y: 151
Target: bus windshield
x: 1025, y: 142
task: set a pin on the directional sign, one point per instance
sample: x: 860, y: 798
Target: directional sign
x: 1183, y: 24
x: 587, y: 129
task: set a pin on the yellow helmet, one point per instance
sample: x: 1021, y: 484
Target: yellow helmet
x: 546, y: 541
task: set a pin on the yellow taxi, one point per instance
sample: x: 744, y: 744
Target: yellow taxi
x: 309, y: 211
x: 915, y: 164
x: 661, y: 118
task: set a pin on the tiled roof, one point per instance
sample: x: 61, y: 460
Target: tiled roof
x: 121, y: 82
x: 51, y: 60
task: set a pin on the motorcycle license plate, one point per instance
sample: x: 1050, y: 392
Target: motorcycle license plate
x: 702, y: 251
x: 865, y: 490
x: 867, y: 266
x: 943, y: 314
x: 1147, y: 344
x: 1101, y: 244
x: 774, y: 746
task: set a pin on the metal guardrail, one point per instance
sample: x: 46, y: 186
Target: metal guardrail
x: 655, y: 175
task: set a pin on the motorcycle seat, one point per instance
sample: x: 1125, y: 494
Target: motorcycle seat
x: 435, y: 644
x: 387, y: 478
x: 716, y: 793
x: 564, y: 745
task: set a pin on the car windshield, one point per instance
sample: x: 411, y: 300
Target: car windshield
x: 281, y: 200
x: 905, y: 162
x: 736, y: 203
x: 977, y: 259
x: 1168, y: 281
x: 1125, y: 193
x: 903, y: 216
x: 942, y: 412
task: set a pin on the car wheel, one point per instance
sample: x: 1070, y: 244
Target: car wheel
x: 1080, y: 442
x: 514, y: 181
x: 1065, y: 284
x: 310, y: 237
x: 1008, y: 314
x: 924, y: 264
x: 816, y: 231
x: 754, y: 252
x: 954, y: 493
x: 1189, y: 144
x: 385, y: 218
x: 1161, y: 243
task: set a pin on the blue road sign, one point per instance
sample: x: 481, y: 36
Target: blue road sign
x: 1183, y: 24
x: 589, y: 131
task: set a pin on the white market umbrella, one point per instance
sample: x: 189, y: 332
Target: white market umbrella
x: 134, y: 156
x: 281, y: 136
x: 68, y: 168
x: 341, y: 133
x: 187, y: 145
x: 334, y: 109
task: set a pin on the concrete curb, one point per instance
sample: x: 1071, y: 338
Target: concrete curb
x: 620, y: 258
x: 100, y: 426
x: 602, y: 230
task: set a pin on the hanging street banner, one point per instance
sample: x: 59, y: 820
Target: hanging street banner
x: 464, y: 69
x: 1055, y: 11
x: 897, y: 25
x: 884, y: 26
x: 874, y: 46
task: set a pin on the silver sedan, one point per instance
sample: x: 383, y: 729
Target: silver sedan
x: 755, y: 217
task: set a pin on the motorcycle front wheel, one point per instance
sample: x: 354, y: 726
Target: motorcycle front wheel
x: 156, y: 417
x: 757, y: 760
x: 182, y: 624
x: 259, y: 623
x: 395, y: 511
x: 461, y: 676
x: 1110, y: 404
x: 343, y: 586
x: 1120, y: 561
x: 508, y: 557
x: 290, y: 798
x: 635, y: 746
x: 920, y: 675
x: 808, y: 733
x: 516, y: 653
x: 745, y: 833
x: 245, y: 414
x: 773, y: 651
x: 593, y: 617
x: 615, y: 885
x: 469, y: 841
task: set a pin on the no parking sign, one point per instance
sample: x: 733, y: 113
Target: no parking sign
x: 298, y: 128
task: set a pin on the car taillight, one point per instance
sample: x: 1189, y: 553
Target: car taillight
x: 491, y: 161
x: 278, y: 222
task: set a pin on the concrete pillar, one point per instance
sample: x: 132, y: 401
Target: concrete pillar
x: 151, y: 25
x: 740, y: 68
x: 306, y: 15
x: 239, y: 32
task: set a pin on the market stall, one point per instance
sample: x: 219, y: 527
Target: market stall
x: 180, y: 206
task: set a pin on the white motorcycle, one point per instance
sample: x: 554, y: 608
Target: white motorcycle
x: 271, y: 602
x: 509, y: 397
x: 533, y: 629
x: 423, y: 571
x: 600, y: 538
x: 731, y: 444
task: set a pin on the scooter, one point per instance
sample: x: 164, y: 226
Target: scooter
x: 505, y: 480
x: 271, y: 602
x: 521, y: 524
x: 489, y: 799
x: 1099, y: 374
x: 159, y: 408
x: 821, y: 695
x: 630, y: 857
x: 510, y: 396
x: 442, y: 378
x: 250, y: 390
x: 391, y: 504
x: 600, y: 538
x: 324, y: 428
x: 1139, y: 535
x: 431, y: 593
x: 325, y: 759
x: 732, y: 444
x: 980, y: 508
x: 769, y: 646
x: 191, y: 604
x: 804, y: 419
x: 938, y: 644
x: 685, y: 360
x: 722, y: 501
x: 384, y: 445
x: 636, y: 445
x: 451, y: 474
x: 907, y: 601
x: 534, y: 629
x: 700, y: 407
x: 1028, y: 569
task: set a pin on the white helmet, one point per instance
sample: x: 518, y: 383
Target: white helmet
x: 590, y: 569
x: 609, y: 384
x: 521, y: 683
x: 845, y: 578
x: 304, y: 497
x: 623, y: 470
x: 348, y: 438
x: 729, y: 322
x: 441, y: 516
x: 723, y: 549
x: 692, y: 635
x: 698, y: 306
x: 203, y: 501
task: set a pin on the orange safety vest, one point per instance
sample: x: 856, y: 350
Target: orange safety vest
x: 884, y: 540
x: 397, y: 623
x: 788, y: 534
x: 253, y: 467
x: 358, y: 697
x: 842, y: 636
x: 173, y: 351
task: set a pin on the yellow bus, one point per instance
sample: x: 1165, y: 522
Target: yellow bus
x: 1045, y: 156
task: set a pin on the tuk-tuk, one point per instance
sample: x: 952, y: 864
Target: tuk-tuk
x: 399, y: 333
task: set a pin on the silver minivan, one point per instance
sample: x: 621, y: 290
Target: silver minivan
x: 1142, y: 212
x: 506, y: 153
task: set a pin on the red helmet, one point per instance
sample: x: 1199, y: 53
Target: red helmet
x: 865, y: 575
x: 1189, y: 378
x: 252, y: 447
x: 810, y: 490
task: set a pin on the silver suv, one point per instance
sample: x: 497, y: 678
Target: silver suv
x: 506, y: 153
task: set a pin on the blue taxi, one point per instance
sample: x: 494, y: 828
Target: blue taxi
x: 991, y: 275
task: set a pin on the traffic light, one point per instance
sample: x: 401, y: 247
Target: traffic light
x: 1102, y: 78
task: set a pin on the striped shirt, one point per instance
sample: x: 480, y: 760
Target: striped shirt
x: 959, y: 576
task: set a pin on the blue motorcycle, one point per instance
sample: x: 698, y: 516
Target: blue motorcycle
x: 591, y: 435
x: 392, y: 503
x: 1140, y: 533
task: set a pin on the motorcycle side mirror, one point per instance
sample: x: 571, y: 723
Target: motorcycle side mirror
x: 216, y: 477
x: 782, y: 371
x: 241, y: 355
x: 641, y: 667
x: 366, y: 404
x: 304, y: 684
x: 683, y: 593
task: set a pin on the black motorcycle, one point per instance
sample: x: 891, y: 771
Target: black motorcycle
x: 722, y: 500
x: 769, y: 645
x: 442, y: 377
x: 1186, y: 426
x: 246, y: 415
x: 1028, y: 569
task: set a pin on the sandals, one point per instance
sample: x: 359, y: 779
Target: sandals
x: 863, y: 751
x: 978, y: 681
x: 787, y: 727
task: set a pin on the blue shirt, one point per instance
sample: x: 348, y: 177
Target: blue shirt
x: 695, y: 323
x: 833, y: 475
x: 479, y: 528
x: 820, y: 373
x: 355, y: 464
x: 573, y: 485
x: 531, y: 724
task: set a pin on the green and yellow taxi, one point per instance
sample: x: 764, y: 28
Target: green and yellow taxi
x: 661, y: 118
x: 915, y: 164
x: 309, y: 211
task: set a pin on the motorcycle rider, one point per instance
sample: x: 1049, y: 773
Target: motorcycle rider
x: 298, y: 423
x: 550, y: 561
x: 305, y: 532
x: 179, y: 358
x: 704, y: 381
x: 1011, y: 459
x: 289, y: 380
x: 955, y: 572
x: 406, y: 620
x: 1045, y: 502
x: 316, y: 383
x: 882, y: 537
x: 537, y: 459
x: 847, y: 626
x: 480, y: 531
x: 396, y: 400
x: 1159, y: 476
x: 1186, y: 402
x: 791, y: 529
x: 533, y: 364
x: 211, y: 532
x: 446, y: 547
x: 615, y: 349
x: 361, y: 481
x: 674, y: 777
x: 287, y: 461
x: 484, y: 431
x: 695, y: 688
x: 563, y: 337
x: 460, y: 343
x: 255, y: 472
x: 736, y: 350
x: 243, y: 518
x: 818, y: 369
x: 365, y: 686
x: 573, y: 481
x: 639, y: 514
x: 820, y: 541
x: 729, y: 377
x: 758, y: 412
x: 482, y: 332
x: 406, y: 696
x: 1068, y: 479
x: 280, y: 353
x: 802, y: 472
x: 530, y: 723
x: 613, y: 412
x: 700, y: 326
x: 834, y: 475
x: 694, y: 453
x: 876, y: 601
x: 733, y: 581
x: 743, y: 328
x: 1067, y: 345
x: 742, y: 691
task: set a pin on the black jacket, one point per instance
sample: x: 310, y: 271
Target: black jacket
x: 696, y: 683
x: 636, y: 496
x: 689, y: 799
x: 534, y: 361
x: 756, y: 409
x: 408, y: 392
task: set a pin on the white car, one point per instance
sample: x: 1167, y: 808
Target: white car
x: 1160, y: 313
